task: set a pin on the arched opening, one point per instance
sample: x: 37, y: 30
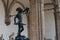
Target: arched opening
x: 11, y: 30
x: 51, y: 8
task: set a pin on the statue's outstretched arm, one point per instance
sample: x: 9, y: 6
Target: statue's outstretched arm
x: 26, y: 10
x: 15, y: 19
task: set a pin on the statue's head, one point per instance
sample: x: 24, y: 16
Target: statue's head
x: 19, y: 9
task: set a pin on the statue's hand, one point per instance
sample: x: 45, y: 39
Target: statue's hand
x: 27, y: 9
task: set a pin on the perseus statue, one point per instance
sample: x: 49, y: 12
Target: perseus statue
x: 19, y: 23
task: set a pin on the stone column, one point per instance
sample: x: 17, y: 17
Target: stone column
x: 36, y: 20
x: 57, y: 18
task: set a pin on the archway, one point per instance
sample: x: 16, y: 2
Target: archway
x: 8, y: 9
x: 55, y: 8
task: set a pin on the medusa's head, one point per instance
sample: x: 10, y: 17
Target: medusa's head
x: 19, y: 9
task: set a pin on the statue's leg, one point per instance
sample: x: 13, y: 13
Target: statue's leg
x: 22, y: 28
x: 19, y: 29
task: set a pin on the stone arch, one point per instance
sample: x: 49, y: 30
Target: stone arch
x: 12, y: 5
x: 8, y: 10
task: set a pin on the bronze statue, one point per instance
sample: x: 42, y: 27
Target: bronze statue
x: 20, y: 24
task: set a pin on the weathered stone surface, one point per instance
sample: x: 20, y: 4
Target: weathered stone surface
x: 35, y: 20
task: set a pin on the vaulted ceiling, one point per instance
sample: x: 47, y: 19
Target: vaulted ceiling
x: 49, y: 4
x: 8, y: 4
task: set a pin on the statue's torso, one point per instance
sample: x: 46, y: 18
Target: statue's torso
x: 19, y: 16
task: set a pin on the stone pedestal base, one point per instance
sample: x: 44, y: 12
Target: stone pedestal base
x: 21, y: 38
